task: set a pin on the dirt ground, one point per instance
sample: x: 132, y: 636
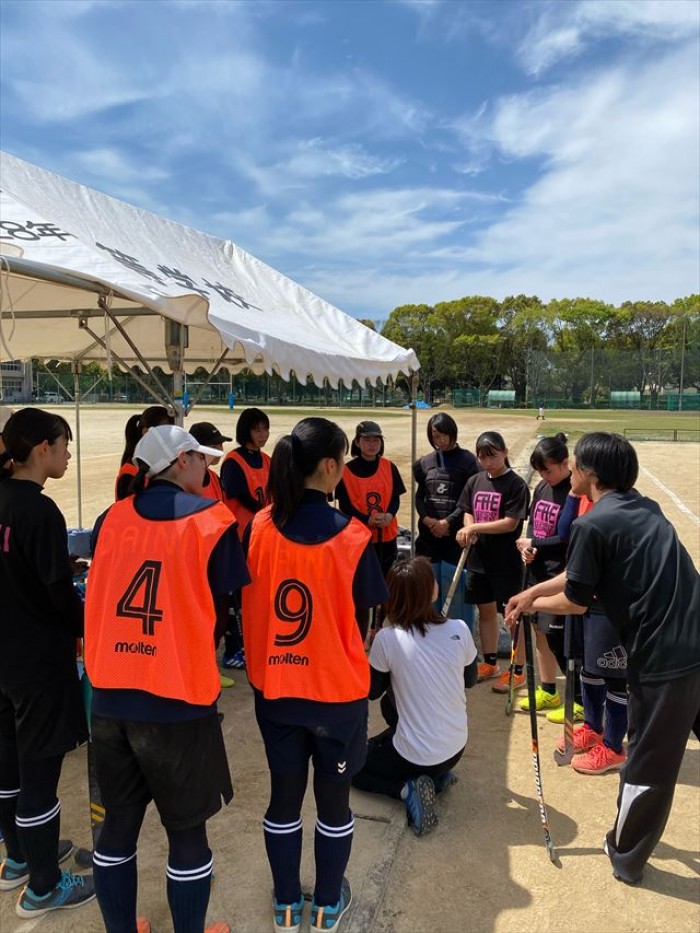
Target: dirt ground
x: 485, y: 867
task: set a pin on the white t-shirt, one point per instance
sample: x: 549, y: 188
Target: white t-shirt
x: 427, y: 674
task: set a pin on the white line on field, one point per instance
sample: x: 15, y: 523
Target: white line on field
x: 29, y: 925
x: 672, y: 496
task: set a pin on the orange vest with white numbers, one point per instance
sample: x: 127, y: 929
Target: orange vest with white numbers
x: 257, y: 487
x: 149, y: 610
x: 373, y: 494
x: 299, y: 628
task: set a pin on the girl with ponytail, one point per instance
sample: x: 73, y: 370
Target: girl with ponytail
x: 313, y: 571
x: 134, y: 430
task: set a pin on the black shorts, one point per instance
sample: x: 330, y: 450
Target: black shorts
x: 180, y: 766
x: 546, y: 622
x: 42, y: 720
x: 338, y: 749
x: 491, y: 588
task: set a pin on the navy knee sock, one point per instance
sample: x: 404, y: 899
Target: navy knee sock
x: 615, y: 719
x: 283, y: 845
x: 593, y: 692
x: 116, y: 884
x: 189, y: 887
x: 332, y: 846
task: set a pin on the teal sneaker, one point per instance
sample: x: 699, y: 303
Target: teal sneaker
x: 15, y: 874
x: 328, y: 918
x: 71, y: 891
x: 287, y: 917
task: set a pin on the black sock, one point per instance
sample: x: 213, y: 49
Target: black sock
x: 491, y: 658
x: 332, y: 846
x: 551, y: 689
x: 189, y: 888
x: 38, y: 837
x: 116, y: 884
x: 8, y: 810
x: 518, y: 668
x: 283, y: 845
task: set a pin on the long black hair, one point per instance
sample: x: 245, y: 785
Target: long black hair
x: 296, y: 457
x: 552, y: 449
x: 135, y: 426
x: 27, y: 428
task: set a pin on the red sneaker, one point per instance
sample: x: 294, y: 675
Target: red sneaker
x: 598, y: 760
x: 584, y: 738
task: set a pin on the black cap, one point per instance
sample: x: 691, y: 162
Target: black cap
x: 368, y: 429
x: 206, y: 433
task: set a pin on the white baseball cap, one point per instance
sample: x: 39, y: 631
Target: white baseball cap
x: 160, y: 446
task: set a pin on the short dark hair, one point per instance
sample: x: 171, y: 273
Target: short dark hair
x: 552, y: 449
x: 443, y: 423
x: 247, y: 420
x: 411, y: 586
x: 610, y: 457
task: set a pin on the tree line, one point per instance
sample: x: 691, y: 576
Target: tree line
x: 532, y: 347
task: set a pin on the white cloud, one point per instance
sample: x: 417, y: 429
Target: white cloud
x: 561, y: 30
x: 117, y: 166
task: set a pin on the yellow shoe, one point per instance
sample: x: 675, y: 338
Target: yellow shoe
x: 226, y: 681
x: 557, y: 716
x: 543, y: 700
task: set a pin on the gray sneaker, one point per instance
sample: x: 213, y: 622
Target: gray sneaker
x: 71, y: 891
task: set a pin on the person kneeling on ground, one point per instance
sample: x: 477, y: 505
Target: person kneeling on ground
x: 426, y: 662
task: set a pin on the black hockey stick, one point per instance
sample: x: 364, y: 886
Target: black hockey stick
x: 564, y: 757
x: 514, y: 648
x: 455, y: 581
x: 530, y: 664
x: 511, y: 673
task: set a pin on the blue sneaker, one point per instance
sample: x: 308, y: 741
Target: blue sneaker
x: 287, y: 917
x: 328, y: 918
x: 14, y: 874
x: 236, y: 660
x: 443, y: 781
x: 420, y: 804
x: 71, y: 891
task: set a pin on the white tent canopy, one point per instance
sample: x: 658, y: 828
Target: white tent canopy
x: 86, y: 277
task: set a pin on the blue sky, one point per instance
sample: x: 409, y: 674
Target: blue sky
x: 383, y: 152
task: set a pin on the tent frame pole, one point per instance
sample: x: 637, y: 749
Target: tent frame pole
x: 413, y: 384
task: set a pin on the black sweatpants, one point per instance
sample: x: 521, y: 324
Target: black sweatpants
x: 661, y: 716
x: 385, y: 771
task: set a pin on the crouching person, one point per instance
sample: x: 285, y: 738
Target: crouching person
x: 421, y: 663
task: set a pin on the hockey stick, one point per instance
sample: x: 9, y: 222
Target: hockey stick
x: 530, y: 664
x: 511, y: 673
x: 564, y: 757
x: 514, y: 648
x: 455, y: 581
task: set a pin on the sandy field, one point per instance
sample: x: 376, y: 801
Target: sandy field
x: 485, y: 867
